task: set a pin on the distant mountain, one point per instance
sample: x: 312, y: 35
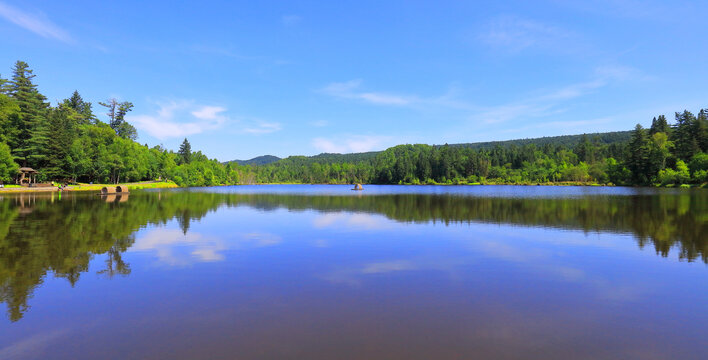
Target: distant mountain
x: 258, y: 160
x: 331, y: 158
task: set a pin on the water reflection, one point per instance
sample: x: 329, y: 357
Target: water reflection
x: 42, y: 233
x: 180, y: 247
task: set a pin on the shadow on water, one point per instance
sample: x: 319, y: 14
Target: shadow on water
x: 42, y: 233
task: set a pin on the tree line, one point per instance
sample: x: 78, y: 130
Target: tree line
x: 68, y: 142
x: 664, y: 154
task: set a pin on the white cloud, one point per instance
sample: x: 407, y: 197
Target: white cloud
x: 36, y: 23
x: 551, y: 102
x: 348, y: 90
x: 354, y: 143
x: 263, y: 128
x: 538, y: 104
x: 183, y: 118
x: 170, y: 119
x: 208, y: 112
x: 514, y: 34
x: 351, y: 90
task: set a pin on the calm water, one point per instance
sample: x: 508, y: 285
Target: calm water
x: 323, y: 272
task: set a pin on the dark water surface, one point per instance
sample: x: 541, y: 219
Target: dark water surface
x: 323, y: 272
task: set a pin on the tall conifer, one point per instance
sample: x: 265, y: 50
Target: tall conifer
x: 30, y: 145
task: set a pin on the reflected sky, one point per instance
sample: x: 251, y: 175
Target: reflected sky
x: 282, y: 277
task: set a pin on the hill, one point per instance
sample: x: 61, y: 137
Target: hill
x: 258, y: 160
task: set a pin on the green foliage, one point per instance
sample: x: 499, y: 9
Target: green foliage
x: 8, y: 167
x: 678, y: 176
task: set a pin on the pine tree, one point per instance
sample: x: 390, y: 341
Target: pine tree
x: 585, y: 150
x: 684, y: 136
x: 9, y: 115
x: 659, y: 125
x: 700, y: 130
x: 30, y: 145
x: 185, y: 152
x: 63, y: 123
x: 81, y: 107
x: 638, y: 160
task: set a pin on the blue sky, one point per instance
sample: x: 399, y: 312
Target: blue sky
x: 241, y: 79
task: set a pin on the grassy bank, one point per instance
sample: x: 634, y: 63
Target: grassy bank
x: 93, y: 187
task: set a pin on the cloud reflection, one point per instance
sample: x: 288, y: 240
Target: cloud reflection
x: 356, y: 221
x: 353, y: 275
x: 173, y: 247
x: 32, y: 345
x: 548, y: 263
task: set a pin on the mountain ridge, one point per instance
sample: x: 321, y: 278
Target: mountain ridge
x: 567, y: 140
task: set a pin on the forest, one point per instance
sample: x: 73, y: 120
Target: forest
x: 69, y: 143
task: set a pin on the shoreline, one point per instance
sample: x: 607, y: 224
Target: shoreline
x: 171, y: 185
x: 89, y: 187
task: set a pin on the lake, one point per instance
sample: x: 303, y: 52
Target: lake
x: 323, y: 272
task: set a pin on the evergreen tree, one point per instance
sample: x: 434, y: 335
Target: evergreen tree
x: 638, y: 161
x: 185, y: 152
x: 585, y: 150
x: 9, y: 118
x: 685, y: 137
x: 81, y: 107
x: 700, y: 130
x: 659, y: 125
x: 30, y: 145
x: 63, y: 125
x: 4, y: 86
